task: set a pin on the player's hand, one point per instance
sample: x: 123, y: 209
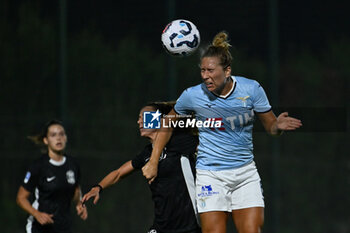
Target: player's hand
x: 43, y: 218
x: 150, y: 171
x: 285, y: 122
x: 94, y: 192
x: 81, y: 211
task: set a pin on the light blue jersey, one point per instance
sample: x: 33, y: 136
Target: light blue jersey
x: 231, y: 145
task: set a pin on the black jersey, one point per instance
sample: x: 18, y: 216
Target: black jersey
x: 53, y: 184
x: 173, y: 188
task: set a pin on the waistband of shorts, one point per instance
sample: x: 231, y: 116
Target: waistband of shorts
x: 229, y: 168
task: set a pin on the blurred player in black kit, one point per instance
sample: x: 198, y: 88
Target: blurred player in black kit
x: 173, y: 189
x: 54, y: 180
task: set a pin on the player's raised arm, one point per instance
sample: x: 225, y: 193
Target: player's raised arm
x: 112, y: 178
x: 150, y: 170
x: 275, y: 126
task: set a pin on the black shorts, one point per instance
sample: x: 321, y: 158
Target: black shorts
x: 49, y: 228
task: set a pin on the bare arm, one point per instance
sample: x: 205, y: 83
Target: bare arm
x: 151, y: 168
x: 276, y: 126
x: 81, y: 210
x: 23, y: 202
x: 109, y: 180
x: 77, y: 194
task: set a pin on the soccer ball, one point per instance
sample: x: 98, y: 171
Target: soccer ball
x: 180, y: 37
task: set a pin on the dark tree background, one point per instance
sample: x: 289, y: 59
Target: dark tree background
x: 115, y: 64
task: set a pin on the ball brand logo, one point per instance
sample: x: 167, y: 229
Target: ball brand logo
x: 151, y: 120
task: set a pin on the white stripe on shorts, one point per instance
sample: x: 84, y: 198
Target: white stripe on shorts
x: 189, y: 179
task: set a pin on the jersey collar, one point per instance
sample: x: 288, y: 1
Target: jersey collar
x: 232, y: 88
x: 58, y: 163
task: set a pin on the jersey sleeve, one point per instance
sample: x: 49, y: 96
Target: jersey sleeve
x: 183, y: 104
x: 260, y: 102
x: 31, y: 178
x: 142, y: 158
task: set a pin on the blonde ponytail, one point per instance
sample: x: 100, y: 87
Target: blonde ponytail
x: 220, y: 40
x: 220, y: 48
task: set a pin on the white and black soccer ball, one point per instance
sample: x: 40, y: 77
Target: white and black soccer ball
x: 180, y: 37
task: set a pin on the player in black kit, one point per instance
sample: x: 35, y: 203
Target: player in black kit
x: 54, y: 180
x: 173, y: 189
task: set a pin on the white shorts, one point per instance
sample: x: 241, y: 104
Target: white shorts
x: 229, y: 190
